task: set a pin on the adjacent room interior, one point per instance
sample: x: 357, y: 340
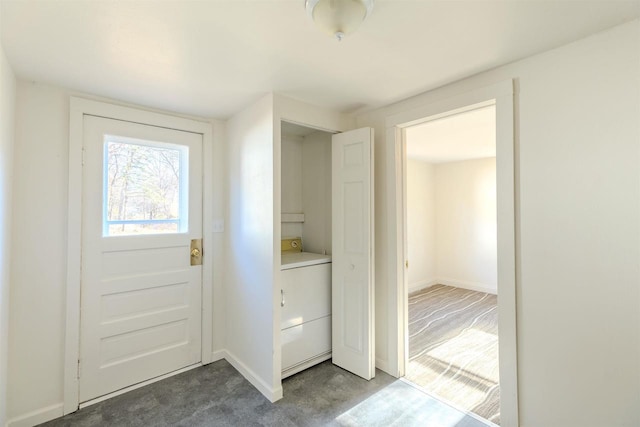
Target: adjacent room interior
x: 452, y: 253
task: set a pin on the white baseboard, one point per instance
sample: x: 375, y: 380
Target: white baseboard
x: 218, y: 355
x: 38, y: 416
x: 422, y: 284
x: 472, y: 286
x: 49, y: 413
x: 268, y: 392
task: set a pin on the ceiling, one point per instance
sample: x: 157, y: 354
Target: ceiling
x: 464, y: 136
x: 296, y: 130
x: 212, y: 58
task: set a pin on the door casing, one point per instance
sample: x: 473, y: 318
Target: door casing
x: 501, y: 95
x: 78, y: 108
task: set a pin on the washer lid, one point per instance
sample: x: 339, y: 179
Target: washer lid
x: 302, y: 259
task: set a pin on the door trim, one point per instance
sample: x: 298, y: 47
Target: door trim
x: 79, y: 107
x: 502, y: 95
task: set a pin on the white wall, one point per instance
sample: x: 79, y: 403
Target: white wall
x: 38, y: 265
x: 451, y: 224
x: 291, y: 183
x: 421, y: 224
x: 220, y: 184
x: 252, y: 233
x: 316, y: 192
x: 578, y: 234
x: 7, y: 122
x: 306, y: 188
x: 466, y: 243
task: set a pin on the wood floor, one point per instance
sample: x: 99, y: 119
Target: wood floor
x: 453, y: 348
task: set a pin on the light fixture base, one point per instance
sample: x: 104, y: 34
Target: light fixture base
x: 339, y: 17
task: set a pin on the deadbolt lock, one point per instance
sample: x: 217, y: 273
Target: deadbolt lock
x: 196, y: 252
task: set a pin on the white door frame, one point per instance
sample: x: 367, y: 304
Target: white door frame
x: 500, y: 94
x: 80, y: 107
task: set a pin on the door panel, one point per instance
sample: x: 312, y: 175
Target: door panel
x: 141, y: 298
x: 352, y: 252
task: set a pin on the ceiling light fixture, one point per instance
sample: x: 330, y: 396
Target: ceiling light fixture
x: 338, y: 17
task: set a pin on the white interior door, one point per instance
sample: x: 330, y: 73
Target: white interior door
x: 141, y: 297
x: 352, y: 252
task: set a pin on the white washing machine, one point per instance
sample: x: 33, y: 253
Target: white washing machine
x: 306, y: 310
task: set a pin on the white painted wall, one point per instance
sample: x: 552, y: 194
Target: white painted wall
x: 451, y: 224
x: 38, y: 265
x: 465, y: 218
x: 220, y: 186
x: 7, y: 125
x: 578, y: 234
x: 306, y: 188
x: 291, y: 183
x: 252, y: 233
x: 316, y: 192
x: 421, y: 224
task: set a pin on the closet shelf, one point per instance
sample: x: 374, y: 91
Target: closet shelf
x: 292, y: 217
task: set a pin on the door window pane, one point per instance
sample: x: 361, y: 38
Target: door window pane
x: 145, y: 189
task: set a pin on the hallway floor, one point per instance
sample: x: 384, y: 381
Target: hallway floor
x: 217, y: 395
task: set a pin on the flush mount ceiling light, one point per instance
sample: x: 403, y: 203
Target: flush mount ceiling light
x: 338, y: 17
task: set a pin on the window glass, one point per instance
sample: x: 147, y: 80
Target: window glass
x: 144, y: 187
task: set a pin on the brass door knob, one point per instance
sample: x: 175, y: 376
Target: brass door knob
x: 196, y: 252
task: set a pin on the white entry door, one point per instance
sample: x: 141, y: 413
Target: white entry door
x: 141, y: 297
x: 352, y: 252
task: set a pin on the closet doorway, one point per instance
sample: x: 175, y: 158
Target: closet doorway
x: 451, y: 247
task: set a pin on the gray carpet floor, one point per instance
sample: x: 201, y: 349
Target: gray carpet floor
x: 453, y: 347
x: 217, y: 395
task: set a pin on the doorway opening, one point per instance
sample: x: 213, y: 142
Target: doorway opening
x: 451, y: 246
x: 501, y: 95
